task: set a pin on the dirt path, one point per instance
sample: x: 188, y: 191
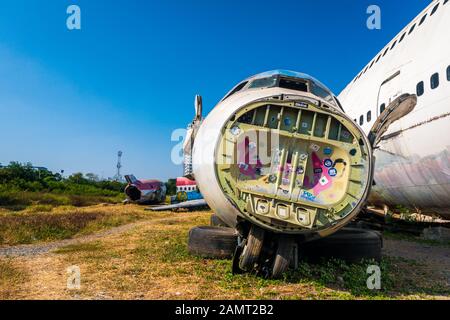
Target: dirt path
x: 41, y: 248
x: 437, y: 258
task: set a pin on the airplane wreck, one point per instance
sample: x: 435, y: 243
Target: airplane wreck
x: 282, y: 166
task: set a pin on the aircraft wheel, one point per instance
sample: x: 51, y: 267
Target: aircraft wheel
x: 252, y: 249
x: 212, y: 242
x: 215, y: 221
x: 283, y: 256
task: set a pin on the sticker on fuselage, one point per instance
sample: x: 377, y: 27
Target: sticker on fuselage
x: 323, y: 181
x: 328, y: 163
x: 315, y: 147
x: 332, y: 172
x: 308, y: 196
x: 327, y: 151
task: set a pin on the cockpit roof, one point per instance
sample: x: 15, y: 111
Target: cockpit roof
x: 272, y: 78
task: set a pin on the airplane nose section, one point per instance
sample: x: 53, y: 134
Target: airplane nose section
x: 133, y: 192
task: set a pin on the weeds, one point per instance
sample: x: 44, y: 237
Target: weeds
x: 29, y: 226
x: 11, y: 278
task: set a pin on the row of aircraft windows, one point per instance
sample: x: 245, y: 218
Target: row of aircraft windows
x: 434, y: 83
x: 420, y: 89
x: 187, y: 188
x: 433, y: 11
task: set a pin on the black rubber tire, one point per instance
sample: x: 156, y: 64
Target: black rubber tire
x: 252, y: 249
x: 215, y: 221
x: 212, y: 242
x: 283, y: 256
x: 349, y: 244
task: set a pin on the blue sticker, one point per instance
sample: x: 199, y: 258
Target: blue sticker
x: 332, y: 172
x: 308, y: 196
x: 327, y: 151
x: 287, y: 122
x: 328, y: 163
x: 318, y: 171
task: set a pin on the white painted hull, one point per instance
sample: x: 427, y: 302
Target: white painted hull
x: 412, y: 168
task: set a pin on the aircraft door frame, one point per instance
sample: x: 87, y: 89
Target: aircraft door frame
x: 390, y: 89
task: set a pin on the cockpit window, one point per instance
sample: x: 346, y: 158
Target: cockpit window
x: 321, y: 92
x: 238, y: 88
x: 297, y: 85
x: 263, y: 83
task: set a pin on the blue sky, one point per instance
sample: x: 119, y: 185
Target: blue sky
x: 71, y: 99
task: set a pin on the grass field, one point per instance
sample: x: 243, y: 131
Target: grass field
x: 151, y: 261
x: 47, y: 223
x: 42, y: 201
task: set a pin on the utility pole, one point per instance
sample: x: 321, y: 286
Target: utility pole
x: 118, y: 176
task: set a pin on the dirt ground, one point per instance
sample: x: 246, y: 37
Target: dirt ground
x: 149, y: 260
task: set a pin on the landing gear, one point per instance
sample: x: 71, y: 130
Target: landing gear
x: 265, y: 254
x: 252, y: 249
x: 270, y: 255
x: 283, y: 256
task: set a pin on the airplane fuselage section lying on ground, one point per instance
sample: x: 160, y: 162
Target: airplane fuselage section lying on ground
x: 412, y: 167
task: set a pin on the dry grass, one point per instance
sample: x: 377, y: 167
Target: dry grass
x: 12, y: 278
x: 151, y: 261
x: 44, y: 223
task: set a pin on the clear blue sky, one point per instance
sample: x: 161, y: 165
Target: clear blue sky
x: 71, y: 99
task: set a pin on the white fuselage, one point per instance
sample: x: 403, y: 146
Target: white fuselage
x: 413, y: 165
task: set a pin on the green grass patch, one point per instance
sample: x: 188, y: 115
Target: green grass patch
x: 90, y: 247
x: 45, y: 201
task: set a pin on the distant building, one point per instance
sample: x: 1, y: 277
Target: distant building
x: 186, y: 185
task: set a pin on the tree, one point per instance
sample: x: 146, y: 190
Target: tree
x: 171, y: 186
x: 92, y: 177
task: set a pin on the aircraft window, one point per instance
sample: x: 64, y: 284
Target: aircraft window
x: 420, y: 89
x: 382, y: 108
x: 238, y: 88
x: 393, y: 45
x: 403, y: 37
x: 379, y: 57
x: 372, y: 64
x: 445, y: 1
x: 293, y: 85
x: 434, y: 9
x: 435, y: 81
x: 412, y: 29
x: 318, y: 90
x: 369, y: 116
x: 448, y: 73
x: 361, y: 120
x: 263, y: 83
x: 385, y: 52
x: 423, y: 19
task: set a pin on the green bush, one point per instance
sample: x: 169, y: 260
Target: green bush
x: 22, y: 185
